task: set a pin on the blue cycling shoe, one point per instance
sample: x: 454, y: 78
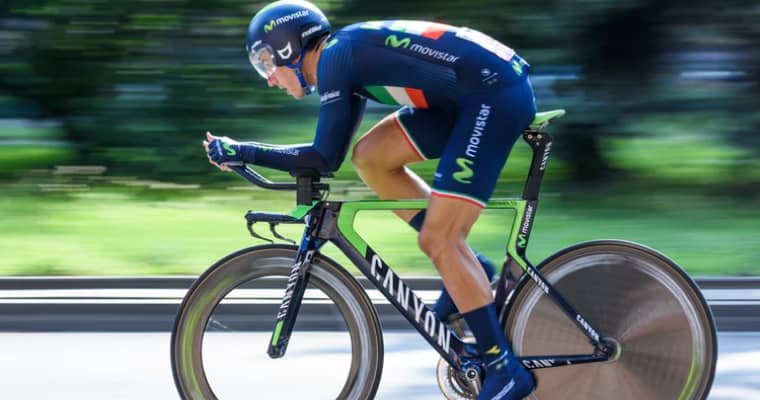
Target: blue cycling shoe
x: 506, y: 379
x: 444, y: 307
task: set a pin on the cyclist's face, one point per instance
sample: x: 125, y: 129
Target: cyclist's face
x: 286, y: 79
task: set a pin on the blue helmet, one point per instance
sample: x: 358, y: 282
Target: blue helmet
x: 280, y: 32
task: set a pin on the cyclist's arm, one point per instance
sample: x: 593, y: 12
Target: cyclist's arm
x: 339, y: 116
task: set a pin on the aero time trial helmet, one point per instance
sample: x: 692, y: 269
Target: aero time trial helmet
x: 280, y: 32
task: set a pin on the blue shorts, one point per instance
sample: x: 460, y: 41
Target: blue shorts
x: 472, y: 141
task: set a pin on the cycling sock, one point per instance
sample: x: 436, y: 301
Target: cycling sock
x: 418, y: 219
x: 444, y: 306
x: 489, y: 337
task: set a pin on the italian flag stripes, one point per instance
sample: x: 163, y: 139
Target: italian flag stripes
x: 396, y: 95
x: 430, y: 30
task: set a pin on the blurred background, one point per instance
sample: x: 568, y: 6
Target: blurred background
x: 103, y: 106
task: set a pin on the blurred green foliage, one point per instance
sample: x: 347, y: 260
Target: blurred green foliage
x: 113, y: 97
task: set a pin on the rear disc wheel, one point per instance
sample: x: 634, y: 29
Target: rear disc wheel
x: 638, y: 299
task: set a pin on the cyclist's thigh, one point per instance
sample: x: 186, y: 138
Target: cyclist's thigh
x: 487, y: 126
x: 405, y: 136
x: 425, y: 131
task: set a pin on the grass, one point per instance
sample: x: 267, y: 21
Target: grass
x: 117, y: 232
x: 103, y: 225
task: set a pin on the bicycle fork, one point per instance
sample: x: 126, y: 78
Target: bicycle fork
x: 294, y: 292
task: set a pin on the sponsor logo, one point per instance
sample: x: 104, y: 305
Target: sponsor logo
x: 290, y: 17
x: 528, y: 218
x: 522, y: 240
x: 295, y: 274
x: 533, y: 364
x: 393, y: 41
x: 311, y: 30
x: 493, y: 350
x: 587, y: 327
x: 432, y: 53
x: 286, y: 51
x: 477, y: 131
x: 489, y: 77
x: 545, y: 159
x: 466, y: 173
x: 280, y: 150
x: 406, y: 43
x: 331, y: 43
x: 539, y: 282
x: 229, y: 149
x: 517, y: 67
x: 409, y: 302
x: 329, y: 97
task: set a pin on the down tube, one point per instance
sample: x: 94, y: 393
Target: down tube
x: 403, y: 298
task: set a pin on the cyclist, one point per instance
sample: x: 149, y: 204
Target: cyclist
x: 465, y: 99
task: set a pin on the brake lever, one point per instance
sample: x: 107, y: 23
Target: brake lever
x: 256, y: 235
x: 272, y: 226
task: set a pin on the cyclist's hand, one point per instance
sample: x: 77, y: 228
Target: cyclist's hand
x: 222, y: 151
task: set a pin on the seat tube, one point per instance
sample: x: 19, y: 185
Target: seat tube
x: 294, y: 292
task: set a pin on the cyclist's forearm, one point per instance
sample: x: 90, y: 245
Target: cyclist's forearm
x: 284, y: 158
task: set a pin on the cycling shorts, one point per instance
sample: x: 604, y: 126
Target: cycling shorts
x: 472, y: 141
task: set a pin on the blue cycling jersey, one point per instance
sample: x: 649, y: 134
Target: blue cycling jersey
x: 440, y: 70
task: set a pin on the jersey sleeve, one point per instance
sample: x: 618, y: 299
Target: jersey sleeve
x: 339, y: 115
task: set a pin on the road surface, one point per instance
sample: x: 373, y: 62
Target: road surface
x: 97, y: 366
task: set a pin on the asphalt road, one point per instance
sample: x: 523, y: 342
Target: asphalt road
x: 83, y: 366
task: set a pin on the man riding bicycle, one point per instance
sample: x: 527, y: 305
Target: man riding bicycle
x: 465, y: 99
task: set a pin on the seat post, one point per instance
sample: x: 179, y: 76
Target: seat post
x: 541, y: 144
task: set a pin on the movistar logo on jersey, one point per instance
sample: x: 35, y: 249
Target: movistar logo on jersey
x: 465, y: 175
x: 406, y: 43
x: 329, y: 97
x: 433, y: 53
x: 290, y: 17
x: 517, y: 67
x: 394, y: 42
x: 331, y: 43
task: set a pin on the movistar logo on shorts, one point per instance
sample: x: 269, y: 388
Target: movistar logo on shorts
x: 290, y: 17
x: 477, y: 131
x: 394, y: 42
x: 465, y: 175
x: 406, y: 43
x: 466, y: 163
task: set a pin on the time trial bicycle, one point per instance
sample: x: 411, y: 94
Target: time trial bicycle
x: 605, y: 319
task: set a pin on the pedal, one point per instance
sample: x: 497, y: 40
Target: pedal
x: 452, y: 385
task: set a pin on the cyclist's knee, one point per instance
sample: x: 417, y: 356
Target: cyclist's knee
x: 364, y: 155
x: 436, y: 242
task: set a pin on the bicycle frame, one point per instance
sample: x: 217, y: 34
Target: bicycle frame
x: 334, y: 222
